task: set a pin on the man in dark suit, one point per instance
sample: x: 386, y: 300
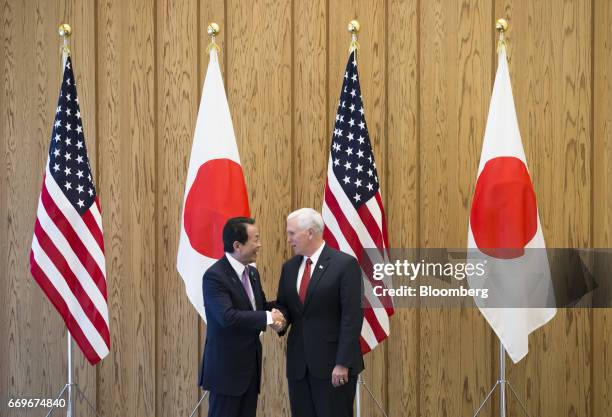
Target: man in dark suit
x: 235, y: 307
x: 320, y: 296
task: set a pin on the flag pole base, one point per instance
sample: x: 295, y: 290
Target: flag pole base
x: 68, y: 387
x: 361, y: 382
x: 198, y: 404
x: 502, y: 382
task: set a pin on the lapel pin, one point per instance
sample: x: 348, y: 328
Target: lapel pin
x: 320, y: 266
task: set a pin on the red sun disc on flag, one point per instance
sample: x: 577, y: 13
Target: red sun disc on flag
x: 217, y: 194
x: 504, y: 214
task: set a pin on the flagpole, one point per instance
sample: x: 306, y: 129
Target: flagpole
x: 213, y: 30
x: 65, y: 31
x: 501, y: 26
x: 353, y: 28
x: 502, y: 380
x: 69, y: 405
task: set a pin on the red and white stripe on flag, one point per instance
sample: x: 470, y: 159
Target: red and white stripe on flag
x: 67, y: 256
x: 353, y: 212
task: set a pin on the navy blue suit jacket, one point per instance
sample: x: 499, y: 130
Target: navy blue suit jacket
x: 232, y: 353
x: 325, y: 330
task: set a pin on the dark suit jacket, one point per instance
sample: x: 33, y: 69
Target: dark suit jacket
x: 232, y: 353
x: 325, y: 330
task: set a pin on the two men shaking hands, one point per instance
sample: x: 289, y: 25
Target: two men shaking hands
x: 318, y: 301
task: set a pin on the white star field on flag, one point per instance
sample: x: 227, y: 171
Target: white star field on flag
x: 68, y: 161
x: 353, y: 162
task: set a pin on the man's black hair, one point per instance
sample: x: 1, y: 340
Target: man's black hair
x: 235, y: 230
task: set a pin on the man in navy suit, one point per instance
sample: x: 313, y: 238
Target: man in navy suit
x: 319, y: 294
x: 235, y: 307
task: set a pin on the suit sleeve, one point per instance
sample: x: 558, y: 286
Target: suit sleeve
x: 218, y: 306
x: 351, y: 319
x: 281, y: 302
x: 267, y: 305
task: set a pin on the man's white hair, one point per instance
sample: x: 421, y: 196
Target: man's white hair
x: 308, y: 218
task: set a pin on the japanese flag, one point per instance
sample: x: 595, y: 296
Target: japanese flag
x: 505, y: 231
x: 215, y: 189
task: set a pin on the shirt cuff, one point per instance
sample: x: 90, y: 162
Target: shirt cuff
x: 269, y: 320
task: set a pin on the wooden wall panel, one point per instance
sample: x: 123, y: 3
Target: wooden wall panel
x: 474, y: 64
x: 112, y: 114
x: 259, y: 88
x: 402, y: 195
x: 21, y: 206
x: 426, y: 71
x: 551, y: 71
x: 455, y: 85
x: 7, y: 60
x: 439, y: 370
x: 142, y: 212
x: 24, y: 321
x: 312, y: 126
x: 602, y: 199
x: 126, y: 116
x: 177, y: 92
x: 602, y: 126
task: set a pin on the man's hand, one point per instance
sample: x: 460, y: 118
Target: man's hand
x: 339, y: 376
x: 278, y: 320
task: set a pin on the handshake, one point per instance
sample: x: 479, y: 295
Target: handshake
x: 278, y: 320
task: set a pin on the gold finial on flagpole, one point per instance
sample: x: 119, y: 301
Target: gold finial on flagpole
x: 353, y: 28
x: 65, y: 31
x: 213, y: 30
x: 501, y: 26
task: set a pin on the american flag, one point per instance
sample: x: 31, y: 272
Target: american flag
x: 353, y: 211
x: 67, y: 256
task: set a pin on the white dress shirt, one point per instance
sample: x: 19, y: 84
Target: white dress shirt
x: 239, y: 268
x: 314, y: 258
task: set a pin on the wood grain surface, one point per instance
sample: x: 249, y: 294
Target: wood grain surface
x: 426, y: 71
x: 601, y: 199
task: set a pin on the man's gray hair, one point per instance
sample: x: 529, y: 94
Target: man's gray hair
x: 308, y: 218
